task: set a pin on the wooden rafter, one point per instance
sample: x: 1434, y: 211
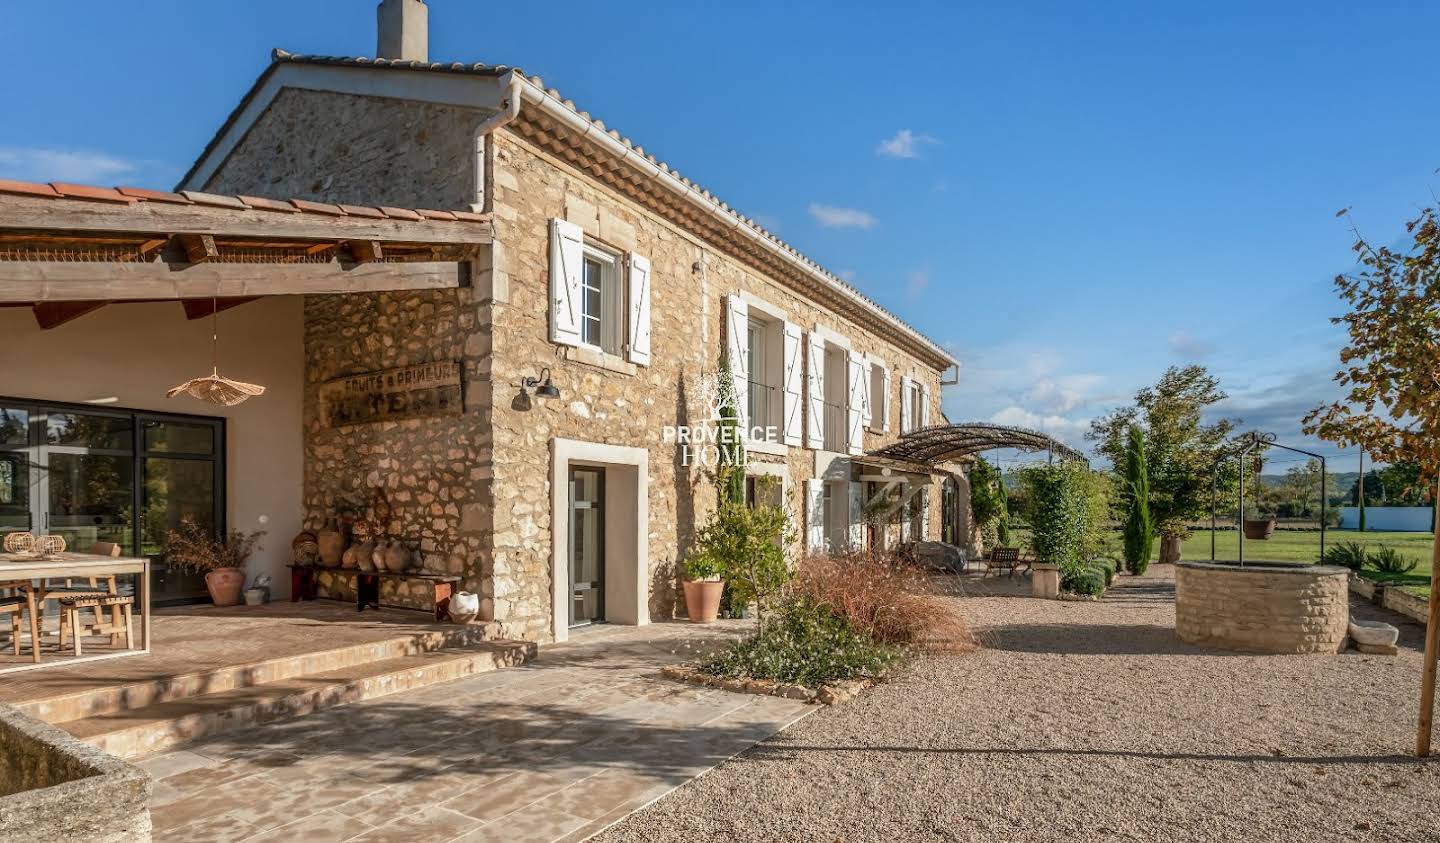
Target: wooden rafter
x: 54, y: 314
x: 200, y: 308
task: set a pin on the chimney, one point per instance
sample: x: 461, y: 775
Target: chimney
x: 403, y: 30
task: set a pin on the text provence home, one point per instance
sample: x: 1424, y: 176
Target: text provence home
x: 715, y: 435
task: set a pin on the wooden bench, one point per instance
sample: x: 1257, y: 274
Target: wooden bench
x: 1005, y: 559
x: 304, y: 586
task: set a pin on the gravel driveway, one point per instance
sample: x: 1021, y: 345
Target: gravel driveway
x: 1087, y: 721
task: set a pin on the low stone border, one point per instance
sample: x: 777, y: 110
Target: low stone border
x: 55, y: 787
x: 1391, y: 597
x: 831, y: 693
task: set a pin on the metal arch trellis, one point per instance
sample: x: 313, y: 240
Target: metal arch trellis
x: 1250, y: 442
x: 941, y: 443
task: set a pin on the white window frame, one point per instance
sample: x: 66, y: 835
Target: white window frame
x: 611, y: 319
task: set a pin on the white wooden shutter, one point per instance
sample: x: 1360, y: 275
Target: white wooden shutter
x: 639, y: 310
x: 737, y: 346
x: 854, y: 414
x: 867, y: 409
x: 567, y: 250
x: 857, y: 515
x: 815, y: 516
x: 884, y: 403
x: 906, y: 423
x: 815, y: 407
x: 924, y: 405
x: 793, y: 380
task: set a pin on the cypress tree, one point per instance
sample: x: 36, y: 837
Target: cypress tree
x: 1139, y: 528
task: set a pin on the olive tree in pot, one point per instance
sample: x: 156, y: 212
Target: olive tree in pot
x: 743, y: 544
x: 221, y: 559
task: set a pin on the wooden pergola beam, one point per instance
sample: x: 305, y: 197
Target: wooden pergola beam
x: 45, y: 281
x: 32, y: 213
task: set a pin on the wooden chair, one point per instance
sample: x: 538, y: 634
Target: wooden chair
x: 71, y: 606
x: 1004, y: 559
x: 96, y: 588
x: 15, y: 608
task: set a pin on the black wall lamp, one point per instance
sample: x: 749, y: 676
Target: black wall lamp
x: 546, y: 387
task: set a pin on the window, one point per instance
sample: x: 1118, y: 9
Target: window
x: 601, y: 311
x: 765, y: 389
x: 836, y: 400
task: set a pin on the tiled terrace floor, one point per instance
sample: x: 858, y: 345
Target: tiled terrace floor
x: 555, y: 750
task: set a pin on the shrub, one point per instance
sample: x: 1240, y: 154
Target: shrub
x: 1346, y: 555
x: 804, y: 643
x: 1089, y: 581
x: 894, y: 602
x: 1388, y: 560
x: 190, y: 547
x: 1106, y: 568
x: 1059, y: 513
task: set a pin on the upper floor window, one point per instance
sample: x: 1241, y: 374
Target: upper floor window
x: 601, y: 301
x: 879, y: 409
x: 599, y: 298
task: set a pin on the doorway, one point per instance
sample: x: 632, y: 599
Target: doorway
x: 108, y: 475
x: 587, y: 545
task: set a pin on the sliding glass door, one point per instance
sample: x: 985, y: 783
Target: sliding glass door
x: 102, y: 475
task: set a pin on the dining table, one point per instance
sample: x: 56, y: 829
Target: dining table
x: 31, y: 571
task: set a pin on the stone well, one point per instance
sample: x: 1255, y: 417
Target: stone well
x: 1262, y: 608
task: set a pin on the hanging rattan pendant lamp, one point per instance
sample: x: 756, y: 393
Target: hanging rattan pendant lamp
x: 213, y: 388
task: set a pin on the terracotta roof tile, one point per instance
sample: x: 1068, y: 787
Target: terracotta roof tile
x: 213, y: 199
x: 260, y: 203
x: 469, y: 216
x: 146, y: 194
x: 318, y: 207
x: 400, y: 213
x: 363, y: 211
x: 86, y: 191
x: 434, y: 215
x: 27, y: 188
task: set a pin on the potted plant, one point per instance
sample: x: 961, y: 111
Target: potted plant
x: 221, y: 559
x: 703, y: 586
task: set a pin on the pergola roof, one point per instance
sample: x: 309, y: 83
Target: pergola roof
x: 951, y: 442
x: 68, y: 249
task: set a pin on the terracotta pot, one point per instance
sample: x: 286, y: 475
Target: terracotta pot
x: 377, y: 555
x: 332, y: 545
x: 702, y: 599
x: 365, y: 556
x: 349, y: 558
x: 224, y: 585
x: 397, y: 558
x: 1258, y: 529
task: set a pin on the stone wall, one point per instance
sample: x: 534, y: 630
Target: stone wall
x: 54, y: 787
x: 369, y: 150
x: 1264, y: 609
x: 612, y: 402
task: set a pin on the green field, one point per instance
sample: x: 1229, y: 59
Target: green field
x: 1304, y: 546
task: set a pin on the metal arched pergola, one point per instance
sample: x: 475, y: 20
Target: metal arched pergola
x: 950, y: 442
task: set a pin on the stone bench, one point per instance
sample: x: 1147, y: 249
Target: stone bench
x: 438, y: 587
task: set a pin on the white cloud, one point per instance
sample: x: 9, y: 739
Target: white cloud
x: 32, y: 164
x: 833, y: 217
x: 905, y: 144
x: 1069, y: 431
x: 1190, y: 347
x: 1062, y: 393
x: 917, y: 283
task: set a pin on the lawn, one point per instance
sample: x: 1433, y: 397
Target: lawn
x: 1304, y: 546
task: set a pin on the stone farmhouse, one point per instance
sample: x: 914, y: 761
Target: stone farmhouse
x: 559, y: 469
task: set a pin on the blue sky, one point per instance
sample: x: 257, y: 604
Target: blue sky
x: 1070, y: 196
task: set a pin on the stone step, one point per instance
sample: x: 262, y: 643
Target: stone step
x: 141, y: 731
x: 111, y: 699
